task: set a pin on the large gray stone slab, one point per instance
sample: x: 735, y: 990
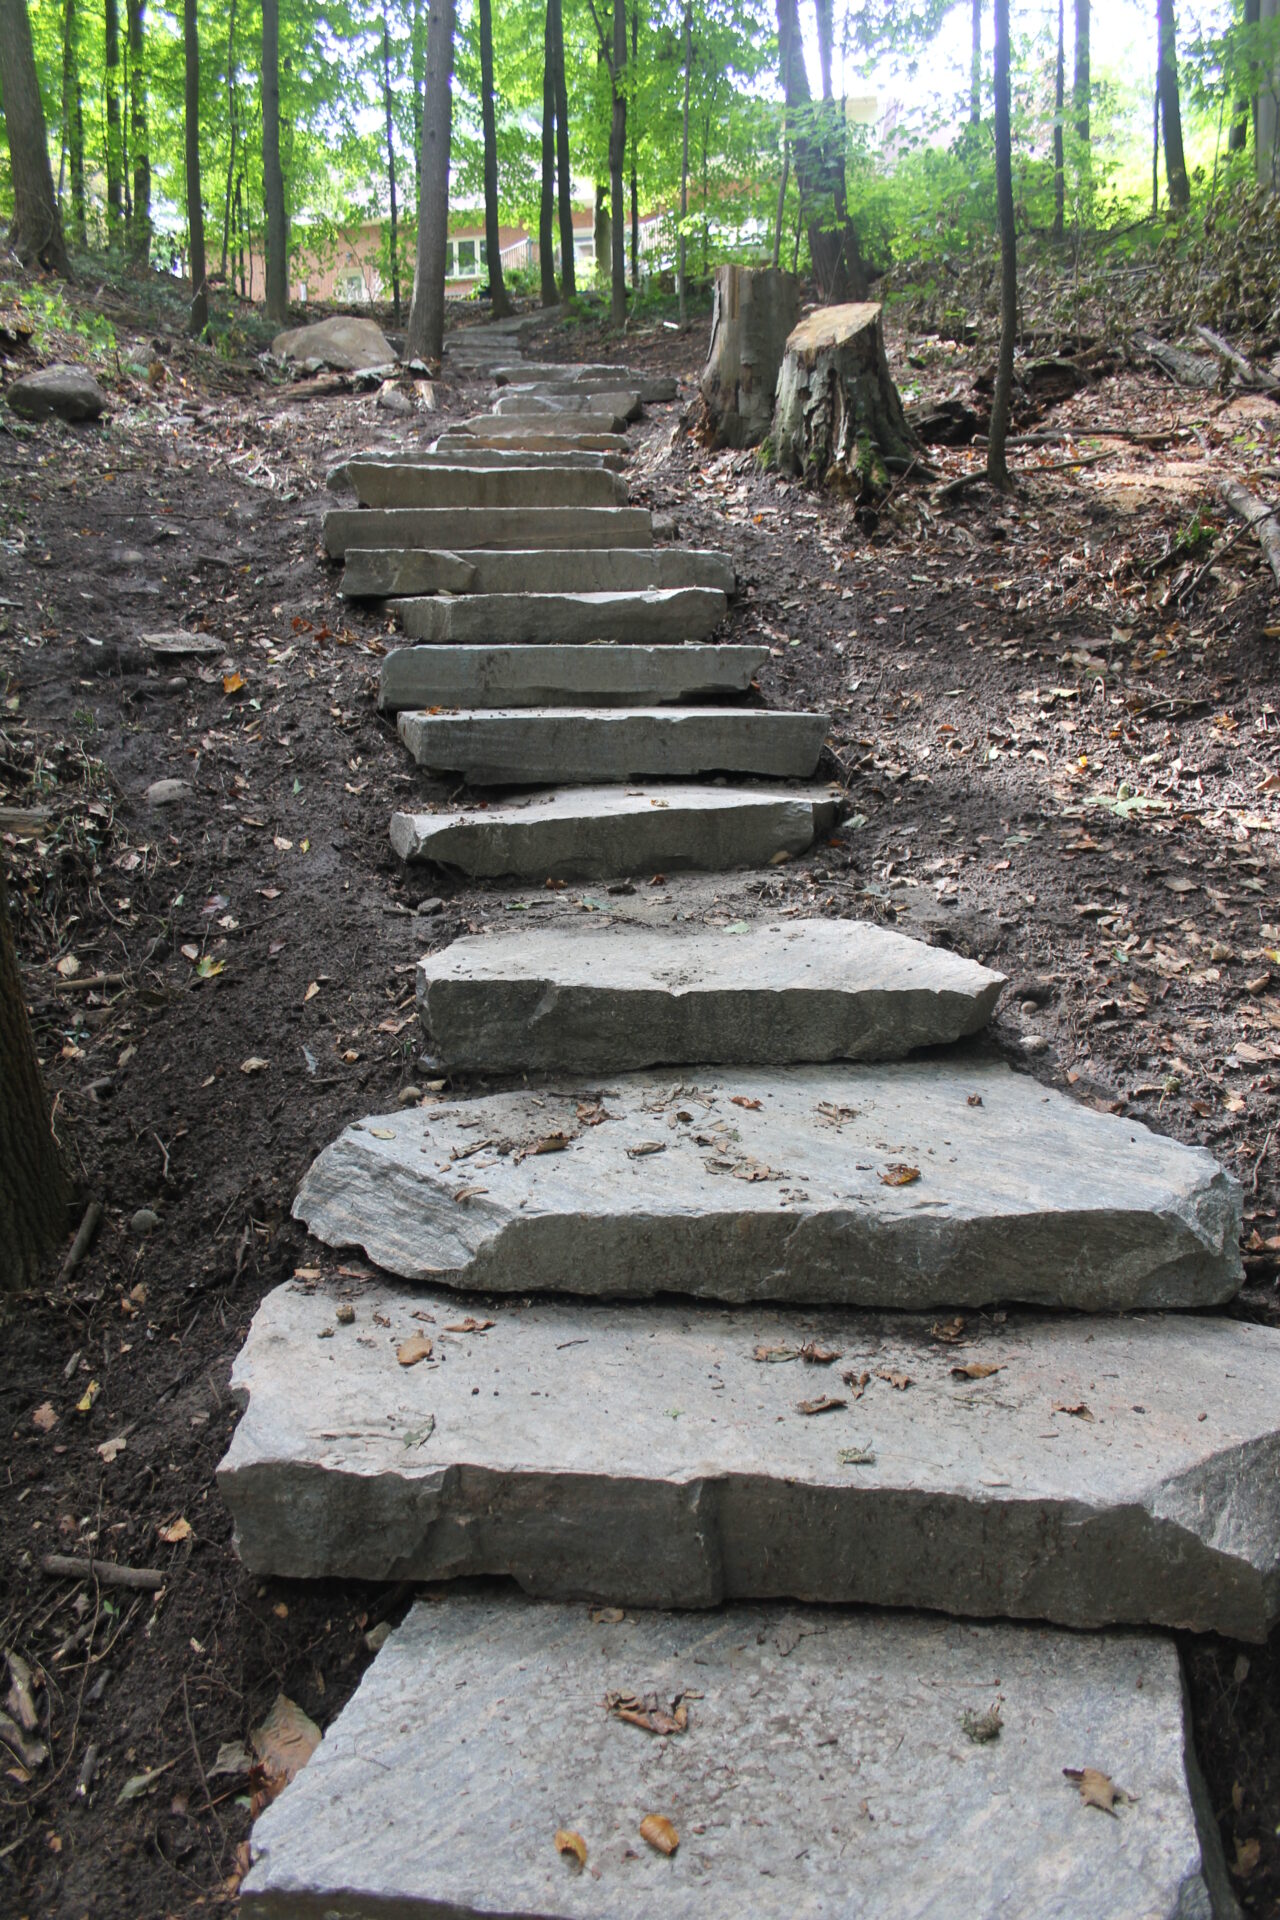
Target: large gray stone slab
x: 520, y: 748
x: 493, y: 433
x: 787, y: 1184
x: 540, y: 427
x: 455, y: 527
x: 343, y: 341
x: 644, y: 1455
x: 524, y: 404
x: 526, y: 618
x: 397, y: 483
x: 653, y: 387
x: 605, y: 999
x: 539, y: 676
x: 397, y: 572
x: 513, y: 456
x: 826, y: 1772
x: 599, y: 833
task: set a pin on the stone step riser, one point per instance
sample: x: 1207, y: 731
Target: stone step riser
x: 489, y: 433
x: 538, y: 406
x: 653, y: 388
x: 544, y: 675
x: 516, y: 618
x: 399, y: 572
x: 604, y: 834
x: 619, y: 998
x: 400, y: 484
x: 586, y: 744
x: 600, y: 431
x: 509, y: 527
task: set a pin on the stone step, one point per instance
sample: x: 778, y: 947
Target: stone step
x: 462, y: 527
x: 525, y: 618
x: 601, y: 833
x: 526, y: 748
x: 388, y: 483
x: 399, y: 572
x: 609, y: 676
x: 1106, y: 1470
x: 572, y: 429
x: 491, y: 433
x: 468, y: 455
x: 932, y: 1183
x: 832, y: 1764
x: 607, y: 999
x: 522, y: 404
x: 652, y: 387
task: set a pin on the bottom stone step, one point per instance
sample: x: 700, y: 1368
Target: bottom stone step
x: 829, y: 1765
x: 495, y: 747
x: 597, y: 833
x: 609, y: 676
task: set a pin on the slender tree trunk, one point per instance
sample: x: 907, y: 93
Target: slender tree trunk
x: 1155, y: 150
x: 1059, y: 130
x: 199, y: 318
x: 975, y: 66
x: 79, y: 199
x: 546, y: 203
x: 239, y: 231
x: 1238, y: 138
x: 1175, y: 165
x: 633, y: 118
x: 139, y: 141
x: 823, y: 10
x: 34, y: 1190
x: 277, y: 222
x: 233, y: 132
x: 1002, y: 403
x: 1266, y: 110
x: 35, y: 231
x: 68, y: 95
x: 72, y: 120
x: 568, y: 262
x: 111, y: 88
x: 125, y: 66
x: 818, y: 136
x: 682, y: 245
x: 499, y: 302
x: 600, y: 227
x: 417, y: 63
x: 391, y: 170
x: 1081, y: 80
x: 617, y: 159
x: 426, y: 311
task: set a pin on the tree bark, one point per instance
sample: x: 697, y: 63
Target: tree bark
x: 417, y: 63
x: 73, y: 119
x: 682, y: 248
x: 753, y: 313
x: 1267, y: 110
x: 1081, y: 79
x: 391, y: 170
x: 818, y: 148
x: 633, y: 130
x: 111, y: 88
x: 499, y: 303
x: 1238, y: 137
x: 617, y: 157
x: 79, y: 199
x: 975, y: 65
x: 546, y: 203
x: 1175, y: 165
x: 1059, y: 131
x: 826, y: 38
x: 838, y: 416
x: 568, y: 261
x: 34, y: 1190
x: 139, y: 141
x: 1002, y: 402
x: 272, y: 175
x: 233, y: 132
x: 35, y: 231
x: 199, y: 316
x: 426, y: 311
x: 601, y: 228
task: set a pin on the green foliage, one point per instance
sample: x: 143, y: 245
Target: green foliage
x: 46, y: 310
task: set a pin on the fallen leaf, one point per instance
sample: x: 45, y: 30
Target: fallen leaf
x: 68, y: 966
x: 1248, y: 1853
x: 774, y: 1356
x: 208, y: 968
x: 659, y: 1832
x: 951, y: 1331
x: 741, y: 1100
x: 976, y: 1370
x: 254, y: 1064
x: 85, y: 1403
x: 311, y: 992
x: 139, y: 1783
x: 899, y: 1175
x: 815, y: 1356
x: 855, y: 1381
x: 1097, y: 1789
x: 567, y: 1841
x: 982, y: 1727
x: 382, y: 1133
x: 233, y: 1757
x: 1079, y: 1411
x: 283, y: 1743
x: 233, y: 683
x: 469, y: 1325
x: 899, y: 1381
x: 857, y: 1456
x: 111, y: 1449
x: 827, y: 1404
x: 44, y: 1419
x: 647, y: 1712
x: 606, y: 1616
x: 175, y: 1532
x: 416, y: 1347
x: 551, y: 1143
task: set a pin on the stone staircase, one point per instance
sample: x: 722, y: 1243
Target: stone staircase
x: 814, y: 1391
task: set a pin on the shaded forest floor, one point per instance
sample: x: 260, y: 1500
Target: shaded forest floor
x: 1061, y: 744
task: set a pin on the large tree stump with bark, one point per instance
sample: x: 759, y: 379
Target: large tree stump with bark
x: 34, y: 1190
x: 838, y: 415
x: 752, y: 315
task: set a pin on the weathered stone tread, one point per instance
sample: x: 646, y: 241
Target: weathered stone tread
x: 527, y: 618
x: 538, y: 676
x: 399, y: 572
x: 511, y: 527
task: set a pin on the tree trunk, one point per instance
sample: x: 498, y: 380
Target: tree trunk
x: 600, y: 227
x: 499, y: 303
x: 546, y: 203
x: 391, y: 170
x: 68, y: 94
x: 838, y: 416
x: 682, y: 249
x: 1002, y: 402
x: 752, y: 315
x: 818, y: 135
x: 426, y: 312
x: 617, y: 157
x: 79, y: 199
x: 1238, y: 137
x: 568, y: 262
x: 139, y: 143
x: 826, y: 37
x: 1267, y: 110
x: 34, y: 1190
x: 35, y: 231
x: 232, y: 134
x: 272, y: 176
x: 1175, y: 165
x: 111, y: 88
x: 634, y: 132
x: 73, y: 119
x: 1081, y: 79
x: 1059, y: 131
x: 417, y: 64
x: 975, y: 65
x: 199, y: 317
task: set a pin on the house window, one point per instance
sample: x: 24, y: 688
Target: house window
x: 350, y: 287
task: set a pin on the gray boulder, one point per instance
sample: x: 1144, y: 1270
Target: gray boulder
x: 343, y: 342
x: 69, y: 393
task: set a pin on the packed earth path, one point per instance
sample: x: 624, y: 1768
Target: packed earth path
x: 599, y: 1311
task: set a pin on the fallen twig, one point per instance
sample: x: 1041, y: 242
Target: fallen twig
x: 106, y: 1572
x: 84, y: 1239
x: 83, y: 985
x: 1257, y: 519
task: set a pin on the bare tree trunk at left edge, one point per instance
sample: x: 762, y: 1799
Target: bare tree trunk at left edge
x: 34, y: 1190
x: 1002, y: 403
x: 35, y: 230
x: 391, y: 169
x: 425, y: 336
x: 500, y: 306
x: 1175, y: 165
x: 199, y: 316
x: 547, y: 198
x: 568, y: 265
x: 272, y: 175
x: 617, y: 157
x: 139, y: 143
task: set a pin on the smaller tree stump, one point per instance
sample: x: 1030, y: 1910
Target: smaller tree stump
x: 753, y: 312
x: 838, y: 415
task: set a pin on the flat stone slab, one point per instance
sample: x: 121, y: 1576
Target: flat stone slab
x: 528, y: 618
x: 598, y: 833
x: 519, y: 748
x: 491, y: 433
x: 919, y: 1184
x: 645, y: 1455
x: 512, y: 527
x: 468, y: 455
x: 527, y: 404
x: 177, y: 644
x: 655, y: 387
x: 538, y: 676
x: 826, y: 1771
x: 397, y: 572
x: 604, y: 999
x: 585, y: 430
x: 398, y: 483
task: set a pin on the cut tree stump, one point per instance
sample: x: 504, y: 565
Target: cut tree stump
x: 752, y: 315
x: 838, y: 415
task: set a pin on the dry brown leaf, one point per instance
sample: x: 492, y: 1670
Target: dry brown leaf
x: 45, y: 1418
x: 283, y: 1743
x: 606, y: 1616
x: 951, y: 1331
x: 551, y: 1143
x: 254, y: 1064
x: 1078, y: 1411
x: 899, y: 1175
x: 977, y: 1370
x: 175, y: 1532
x: 741, y: 1100
x: 856, y: 1382
x: 827, y: 1404
x: 659, y: 1832
x: 233, y: 683
x: 469, y: 1325
x: 1248, y: 1853
x: 773, y: 1356
x: 567, y: 1841
x: 815, y: 1356
x: 416, y: 1347
x: 899, y: 1381
x: 647, y: 1712
x: 1097, y: 1789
